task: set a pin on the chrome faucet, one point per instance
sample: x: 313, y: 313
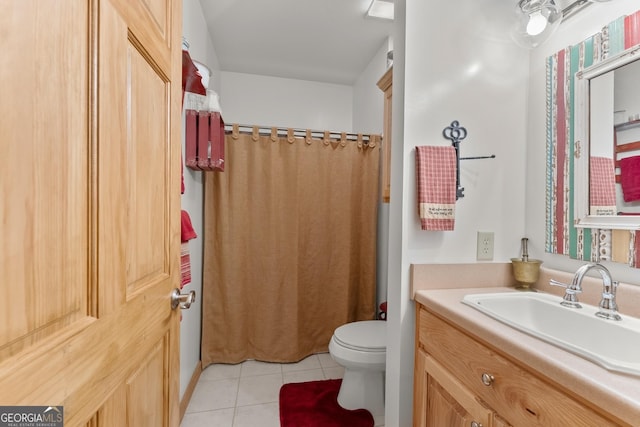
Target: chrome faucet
x: 608, y: 306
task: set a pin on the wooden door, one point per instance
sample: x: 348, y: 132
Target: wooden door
x: 89, y: 215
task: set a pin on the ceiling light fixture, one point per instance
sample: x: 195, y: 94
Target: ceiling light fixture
x: 380, y: 9
x: 536, y: 20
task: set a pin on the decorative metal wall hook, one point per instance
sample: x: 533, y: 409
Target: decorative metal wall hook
x: 457, y: 133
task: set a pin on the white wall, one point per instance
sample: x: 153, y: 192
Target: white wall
x: 251, y: 99
x: 201, y: 49
x: 588, y: 22
x: 368, y: 117
x: 368, y: 99
x: 459, y: 65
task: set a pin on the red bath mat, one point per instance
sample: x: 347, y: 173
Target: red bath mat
x: 315, y: 404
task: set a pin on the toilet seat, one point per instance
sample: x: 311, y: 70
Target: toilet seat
x: 368, y: 336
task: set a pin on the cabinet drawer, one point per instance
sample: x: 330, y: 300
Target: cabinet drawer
x: 515, y: 394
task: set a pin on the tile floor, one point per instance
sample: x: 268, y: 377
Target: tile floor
x: 246, y: 394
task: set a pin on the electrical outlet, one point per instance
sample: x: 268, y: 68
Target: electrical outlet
x: 485, y: 246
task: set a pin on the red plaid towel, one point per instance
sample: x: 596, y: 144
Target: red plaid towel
x: 436, y: 182
x: 602, y: 186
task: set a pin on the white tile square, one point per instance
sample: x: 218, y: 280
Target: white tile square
x: 211, y: 395
x: 311, y: 362
x: 254, y: 367
x: 303, y: 376
x: 219, y: 418
x: 333, y: 373
x: 220, y: 371
x: 259, y: 389
x: 264, y: 415
x: 327, y: 361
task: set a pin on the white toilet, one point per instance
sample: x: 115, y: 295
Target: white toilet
x: 361, y: 348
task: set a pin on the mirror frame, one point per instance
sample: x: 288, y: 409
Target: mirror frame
x: 582, y: 133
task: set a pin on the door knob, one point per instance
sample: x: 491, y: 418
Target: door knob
x: 182, y: 300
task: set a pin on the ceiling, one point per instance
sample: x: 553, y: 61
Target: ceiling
x: 319, y: 40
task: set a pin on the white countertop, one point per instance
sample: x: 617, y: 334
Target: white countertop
x: 618, y: 394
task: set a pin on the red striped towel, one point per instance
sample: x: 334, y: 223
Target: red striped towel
x: 436, y: 182
x: 186, y: 233
x: 602, y: 186
x: 185, y: 265
x: 630, y: 178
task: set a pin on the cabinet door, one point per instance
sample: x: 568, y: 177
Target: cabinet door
x: 89, y: 214
x: 442, y: 408
x: 500, y: 422
x: 444, y: 400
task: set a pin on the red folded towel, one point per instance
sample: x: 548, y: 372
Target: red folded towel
x: 630, y: 178
x: 187, y: 232
x: 191, y: 78
x: 436, y: 182
x: 602, y: 186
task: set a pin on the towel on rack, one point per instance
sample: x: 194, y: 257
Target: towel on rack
x: 186, y: 233
x: 630, y: 178
x: 185, y: 265
x: 191, y: 139
x: 436, y: 182
x: 602, y: 186
x: 216, y: 138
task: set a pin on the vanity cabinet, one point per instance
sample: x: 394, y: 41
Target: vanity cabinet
x: 461, y: 381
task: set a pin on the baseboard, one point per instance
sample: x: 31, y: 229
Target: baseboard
x: 190, y: 388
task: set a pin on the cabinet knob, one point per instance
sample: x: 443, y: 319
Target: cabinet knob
x: 487, y: 379
x: 476, y: 424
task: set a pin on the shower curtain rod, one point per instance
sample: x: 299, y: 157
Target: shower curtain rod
x: 266, y: 130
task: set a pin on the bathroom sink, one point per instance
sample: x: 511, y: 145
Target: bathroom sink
x: 614, y: 345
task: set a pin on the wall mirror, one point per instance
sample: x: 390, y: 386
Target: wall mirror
x: 607, y: 147
x: 580, y: 107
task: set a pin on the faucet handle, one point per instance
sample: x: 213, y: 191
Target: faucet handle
x: 608, y: 306
x: 570, y: 299
x: 610, y: 288
x: 554, y: 282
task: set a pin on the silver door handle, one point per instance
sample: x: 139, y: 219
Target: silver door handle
x: 182, y: 300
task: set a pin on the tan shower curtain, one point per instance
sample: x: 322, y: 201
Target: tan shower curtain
x: 290, y: 245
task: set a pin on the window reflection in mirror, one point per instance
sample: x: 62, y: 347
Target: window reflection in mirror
x: 614, y: 164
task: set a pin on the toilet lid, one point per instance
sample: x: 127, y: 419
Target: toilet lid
x: 369, y: 335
